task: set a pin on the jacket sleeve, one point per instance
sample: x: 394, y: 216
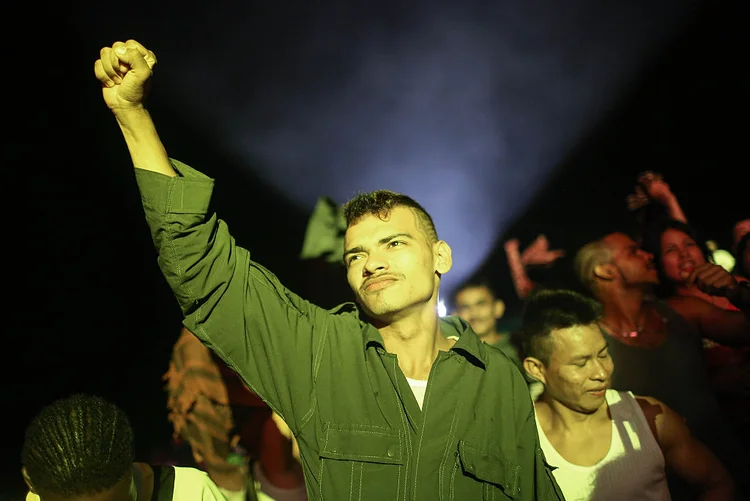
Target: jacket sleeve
x: 270, y: 336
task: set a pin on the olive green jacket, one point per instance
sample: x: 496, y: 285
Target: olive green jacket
x: 361, y: 433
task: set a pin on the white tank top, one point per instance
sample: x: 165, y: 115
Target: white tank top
x: 632, y: 470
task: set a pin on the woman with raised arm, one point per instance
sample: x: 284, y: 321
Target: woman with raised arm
x: 681, y: 259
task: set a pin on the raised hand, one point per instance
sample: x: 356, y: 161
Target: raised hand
x: 637, y: 199
x: 539, y: 254
x: 124, y: 70
x: 654, y: 186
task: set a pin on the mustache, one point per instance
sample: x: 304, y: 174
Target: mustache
x: 379, y: 278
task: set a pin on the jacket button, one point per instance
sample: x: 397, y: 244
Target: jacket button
x: 391, y: 452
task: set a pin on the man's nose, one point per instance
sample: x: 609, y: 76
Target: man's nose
x: 601, y: 371
x: 375, y: 263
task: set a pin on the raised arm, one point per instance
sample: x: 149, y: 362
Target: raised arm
x: 685, y: 455
x: 124, y: 70
x: 723, y: 326
x: 536, y: 254
x: 651, y: 186
x: 731, y: 328
x: 521, y: 280
x: 236, y: 307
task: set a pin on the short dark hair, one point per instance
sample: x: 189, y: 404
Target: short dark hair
x: 474, y: 283
x: 78, y: 446
x: 549, y: 310
x: 380, y: 203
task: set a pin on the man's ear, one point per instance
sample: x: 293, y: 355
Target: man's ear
x: 536, y: 369
x: 444, y: 257
x: 606, y: 272
x: 499, y: 308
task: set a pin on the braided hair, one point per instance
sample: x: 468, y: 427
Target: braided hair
x: 78, y: 446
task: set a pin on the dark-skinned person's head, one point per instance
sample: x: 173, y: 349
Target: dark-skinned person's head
x: 476, y: 302
x: 79, y: 448
x: 565, y: 350
x: 615, y: 262
x: 393, y: 256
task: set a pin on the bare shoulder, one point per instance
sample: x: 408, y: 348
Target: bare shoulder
x: 654, y: 411
x: 651, y: 407
x: 646, y: 400
x: 666, y: 413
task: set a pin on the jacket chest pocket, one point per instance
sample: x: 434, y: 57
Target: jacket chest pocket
x: 361, y: 462
x: 495, y: 476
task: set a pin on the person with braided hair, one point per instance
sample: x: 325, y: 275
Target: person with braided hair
x: 81, y: 448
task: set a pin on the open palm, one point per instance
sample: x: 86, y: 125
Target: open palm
x: 539, y: 253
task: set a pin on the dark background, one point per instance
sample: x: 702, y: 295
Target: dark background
x: 89, y: 310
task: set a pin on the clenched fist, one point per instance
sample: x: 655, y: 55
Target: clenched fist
x: 124, y: 69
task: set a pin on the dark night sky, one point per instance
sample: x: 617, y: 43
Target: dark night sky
x: 89, y: 309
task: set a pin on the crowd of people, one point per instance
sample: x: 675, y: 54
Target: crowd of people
x: 637, y: 390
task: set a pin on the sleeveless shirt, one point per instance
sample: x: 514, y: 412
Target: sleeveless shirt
x: 632, y: 470
x: 675, y: 373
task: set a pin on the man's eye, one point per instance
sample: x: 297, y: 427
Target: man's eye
x: 353, y: 258
x: 396, y: 243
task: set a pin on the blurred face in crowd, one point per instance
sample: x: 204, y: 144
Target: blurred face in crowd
x: 634, y: 266
x: 478, y: 306
x: 680, y: 254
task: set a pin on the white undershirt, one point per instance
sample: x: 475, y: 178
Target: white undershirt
x: 418, y: 387
x: 633, y: 468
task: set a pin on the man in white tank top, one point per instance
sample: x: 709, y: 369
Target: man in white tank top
x: 605, y: 445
